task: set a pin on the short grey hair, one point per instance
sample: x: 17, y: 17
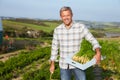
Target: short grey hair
x: 65, y: 8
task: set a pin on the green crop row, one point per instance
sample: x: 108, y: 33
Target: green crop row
x: 22, y: 60
x: 110, y: 65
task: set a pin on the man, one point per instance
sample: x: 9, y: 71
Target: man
x: 68, y: 37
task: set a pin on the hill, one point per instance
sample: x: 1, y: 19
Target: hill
x: 21, y: 24
x: 46, y: 27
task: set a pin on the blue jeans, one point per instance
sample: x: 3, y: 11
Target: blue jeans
x: 67, y: 73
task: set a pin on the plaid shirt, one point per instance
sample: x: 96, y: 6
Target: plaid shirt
x: 68, y: 41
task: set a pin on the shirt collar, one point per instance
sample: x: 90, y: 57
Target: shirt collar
x: 73, y: 22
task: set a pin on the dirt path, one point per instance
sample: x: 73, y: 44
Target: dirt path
x: 4, y: 57
x: 18, y: 73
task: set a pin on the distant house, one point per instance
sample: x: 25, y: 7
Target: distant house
x: 1, y: 32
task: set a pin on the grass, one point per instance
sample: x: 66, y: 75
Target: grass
x: 20, y: 26
x: 112, y: 29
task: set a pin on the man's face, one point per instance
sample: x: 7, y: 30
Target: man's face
x: 66, y: 17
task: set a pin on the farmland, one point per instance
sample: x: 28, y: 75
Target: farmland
x: 18, y: 25
x: 31, y: 60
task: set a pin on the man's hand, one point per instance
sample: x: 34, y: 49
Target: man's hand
x: 52, y: 67
x: 98, y: 55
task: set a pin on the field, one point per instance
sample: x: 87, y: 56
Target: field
x: 17, y: 25
x: 31, y: 62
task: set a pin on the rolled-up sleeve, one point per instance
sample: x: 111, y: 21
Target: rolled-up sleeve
x: 55, y: 45
x: 91, y: 38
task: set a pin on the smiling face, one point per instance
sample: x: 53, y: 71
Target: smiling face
x: 66, y: 17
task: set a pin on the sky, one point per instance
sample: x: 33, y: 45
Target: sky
x: 88, y: 10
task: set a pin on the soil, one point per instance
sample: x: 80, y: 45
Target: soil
x: 4, y: 57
